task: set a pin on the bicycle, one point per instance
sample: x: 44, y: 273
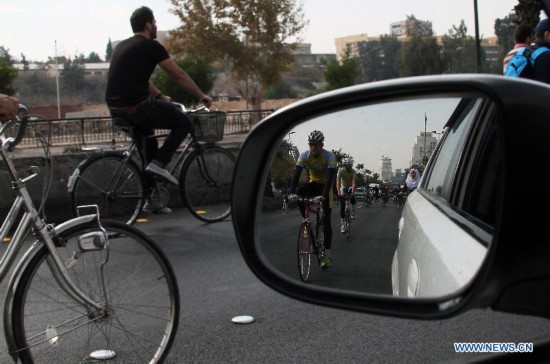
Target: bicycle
x: 385, y: 198
x: 347, y: 216
x: 87, y: 289
x: 368, y: 200
x: 311, y: 239
x: 118, y: 183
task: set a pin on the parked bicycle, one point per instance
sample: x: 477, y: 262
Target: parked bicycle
x: 87, y: 289
x: 311, y: 237
x: 116, y: 180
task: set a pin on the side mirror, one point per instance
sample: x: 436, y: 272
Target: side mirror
x: 449, y: 248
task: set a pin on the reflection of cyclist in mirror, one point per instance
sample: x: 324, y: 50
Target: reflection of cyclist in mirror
x: 131, y: 95
x: 345, y: 185
x: 321, y: 165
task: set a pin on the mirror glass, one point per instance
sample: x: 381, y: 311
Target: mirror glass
x: 385, y: 141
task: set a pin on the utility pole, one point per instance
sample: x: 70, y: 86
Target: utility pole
x: 425, y: 127
x: 57, y: 83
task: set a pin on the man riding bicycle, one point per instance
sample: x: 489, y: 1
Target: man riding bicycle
x: 345, y: 185
x: 321, y: 165
x: 131, y: 95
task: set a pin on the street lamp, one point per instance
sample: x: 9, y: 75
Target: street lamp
x: 289, y: 134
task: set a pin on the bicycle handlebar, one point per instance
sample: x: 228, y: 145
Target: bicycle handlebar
x: 184, y: 109
x: 22, y: 119
x: 316, y: 199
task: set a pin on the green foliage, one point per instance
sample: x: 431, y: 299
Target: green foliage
x: 378, y: 58
x: 248, y: 37
x: 281, y: 90
x: 72, y: 149
x: 109, y: 51
x: 198, y: 68
x: 420, y: 54
x: 342, y: 74
x: 459, y: 50
x: 8, y: 73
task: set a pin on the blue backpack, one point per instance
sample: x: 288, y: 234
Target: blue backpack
x: 521, y: 64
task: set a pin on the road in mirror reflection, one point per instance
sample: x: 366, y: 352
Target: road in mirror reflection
x: 369, y: 134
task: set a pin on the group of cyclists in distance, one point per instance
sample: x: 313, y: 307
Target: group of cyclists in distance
x: 326, y: 178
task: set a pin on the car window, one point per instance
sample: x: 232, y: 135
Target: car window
x: 441, y: 174
x: 466, y: 170
x: 480, y: 188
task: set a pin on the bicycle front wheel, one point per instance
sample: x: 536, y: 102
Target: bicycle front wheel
x: 130, y: 277
x: 305, y: 247
x: 112, y: 183
x: 205, y: 183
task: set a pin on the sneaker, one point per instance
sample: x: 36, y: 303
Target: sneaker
x: 159, y: 171
x: 343, y: 229
x: 325, y: 262
x: 149, y: 207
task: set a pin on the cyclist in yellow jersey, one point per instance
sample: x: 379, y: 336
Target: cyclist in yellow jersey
x: 345, y: 185
x: 321, y: 165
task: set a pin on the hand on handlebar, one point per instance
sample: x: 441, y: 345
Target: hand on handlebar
x: 292, y: 197
x: 207, y: 101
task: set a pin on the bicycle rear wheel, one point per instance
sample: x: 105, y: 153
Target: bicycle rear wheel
x: 115, y: 185
x: 205, y: 183
x: 305, y: 249
x: 136, y: 285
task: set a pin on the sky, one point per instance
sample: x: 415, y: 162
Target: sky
x: 40, y: 29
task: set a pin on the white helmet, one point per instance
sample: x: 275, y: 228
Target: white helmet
x: 316, y: 136
x: 347, y: 162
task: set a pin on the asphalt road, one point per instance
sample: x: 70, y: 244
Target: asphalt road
x: 216, y: 285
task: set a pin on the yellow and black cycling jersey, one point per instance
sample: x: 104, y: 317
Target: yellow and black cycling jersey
x: 346, y: 177
x: 317, y: 165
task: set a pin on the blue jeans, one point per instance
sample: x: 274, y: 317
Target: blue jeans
x: 156, y: 114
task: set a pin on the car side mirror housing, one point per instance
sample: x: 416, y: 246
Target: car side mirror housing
x: 466, y: 237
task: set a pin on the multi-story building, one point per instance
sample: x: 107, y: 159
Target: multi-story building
x: 424, y: 145
x: 385, y: 168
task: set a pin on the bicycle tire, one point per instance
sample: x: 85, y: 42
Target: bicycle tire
x: 319, y: 239
x: 304, y: 251
x: 348, y: 223
x: 205, y: 183
x: 115, y: 185
x: 142, y: 314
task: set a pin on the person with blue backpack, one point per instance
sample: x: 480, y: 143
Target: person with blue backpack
x: 523, y: 36
x: 541, y: 68
x: 533, y: 61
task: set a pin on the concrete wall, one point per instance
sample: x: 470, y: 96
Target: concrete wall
x: 58, y: 204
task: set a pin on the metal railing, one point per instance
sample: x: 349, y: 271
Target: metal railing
x: 83, y: 131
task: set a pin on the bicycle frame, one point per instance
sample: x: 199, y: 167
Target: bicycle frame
x: 29, y: 220
x: 318, y: 212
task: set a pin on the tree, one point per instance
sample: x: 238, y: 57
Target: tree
x: 419, y: 55
x: 8, y: 73
x: 527, y: 12
x: 72, y: 77
x: 108, y: 51
x: 342, y: 74
x: 378, y: 58
x: 248, y: 37
x: 504, y: 30
x: 93, y: 57
x: 459, y: 49
x: 199, y: 69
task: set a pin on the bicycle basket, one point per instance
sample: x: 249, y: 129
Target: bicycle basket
x: 209, y: 126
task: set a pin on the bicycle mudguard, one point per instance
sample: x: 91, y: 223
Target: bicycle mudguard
x: 76, y: 173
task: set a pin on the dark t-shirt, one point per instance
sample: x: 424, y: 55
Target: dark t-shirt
x: 132, y: 64
x: 541, y: 70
